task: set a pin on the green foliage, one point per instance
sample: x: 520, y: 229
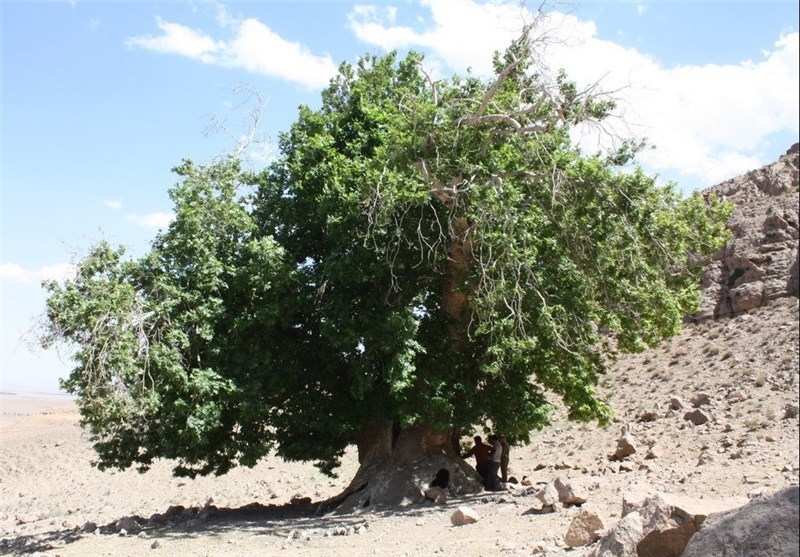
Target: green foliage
x: 421, y: 252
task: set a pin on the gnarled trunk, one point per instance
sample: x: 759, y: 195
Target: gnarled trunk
x: 396, y: 468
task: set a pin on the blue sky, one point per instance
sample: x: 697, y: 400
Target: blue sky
x: 101, y: 99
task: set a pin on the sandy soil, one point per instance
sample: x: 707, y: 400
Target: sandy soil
x: 53, y: 502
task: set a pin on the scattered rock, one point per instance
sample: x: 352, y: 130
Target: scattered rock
x: 706, y: 457
x: 700, y: 399
x: 697, y: 417
x: 548, y: 495
x: 155, y: 545
x: 675, y: 403
x: 655, y: 451
x: 626, y: 445
x: 570, y: 492
x: 790, y: 411
x: 736, y: 395
x: 584, y: 528
x: 649, y: 415
x: 464, y: 515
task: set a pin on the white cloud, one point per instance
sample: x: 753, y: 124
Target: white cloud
x: 254, y: 47
x: 113, y: 204
x: 179, y: 39
x: 153, y: 221
x: 19, y: 275
x: 710, y: 122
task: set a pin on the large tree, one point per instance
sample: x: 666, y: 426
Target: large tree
x: 423, y: 258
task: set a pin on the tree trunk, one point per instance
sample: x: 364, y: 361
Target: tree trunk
x: 396, y: 470
x: 455, y: 298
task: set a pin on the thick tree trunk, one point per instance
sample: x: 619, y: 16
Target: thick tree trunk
x: 396, y: 470
x: 455, y: 297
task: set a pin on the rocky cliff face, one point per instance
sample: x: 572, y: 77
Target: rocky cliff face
x: 760, y: 262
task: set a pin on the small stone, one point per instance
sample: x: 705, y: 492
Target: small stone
x: 155, y: 545
x: 697, y: 417
x: 464, y: 515
x: 700, y: 399
x: 128, y: 524
x: 675, y: 403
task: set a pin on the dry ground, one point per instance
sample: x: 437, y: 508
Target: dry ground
x: 748, y: 366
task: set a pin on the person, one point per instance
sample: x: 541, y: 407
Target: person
x: 483, y: 458
x: 494, y: 467
x: 504, y: 459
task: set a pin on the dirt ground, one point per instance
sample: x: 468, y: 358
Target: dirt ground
x: 53, y: 502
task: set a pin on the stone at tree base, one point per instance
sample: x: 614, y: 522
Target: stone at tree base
x: 584, y: 528
x: 128, y: 524
x: 464, y: 515
x: 767, y: 526
x: 436, y: 494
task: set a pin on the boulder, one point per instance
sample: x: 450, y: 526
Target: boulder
x: 584, y: 528
x: 570, y: 492
x: 766, y: 526
x: 661, y: 525
x: 622, y: 539
x: 548, y: 495
x: 626, y: 446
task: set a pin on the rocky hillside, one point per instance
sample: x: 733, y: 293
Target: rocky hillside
x: 761, y: 262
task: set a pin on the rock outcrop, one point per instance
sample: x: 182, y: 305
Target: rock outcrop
x: 766, y: 526
x: 760, y: 262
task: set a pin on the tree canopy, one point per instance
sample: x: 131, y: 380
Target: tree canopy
x: 421, y: 252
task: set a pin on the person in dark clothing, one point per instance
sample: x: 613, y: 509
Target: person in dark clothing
x: 483, y: 458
